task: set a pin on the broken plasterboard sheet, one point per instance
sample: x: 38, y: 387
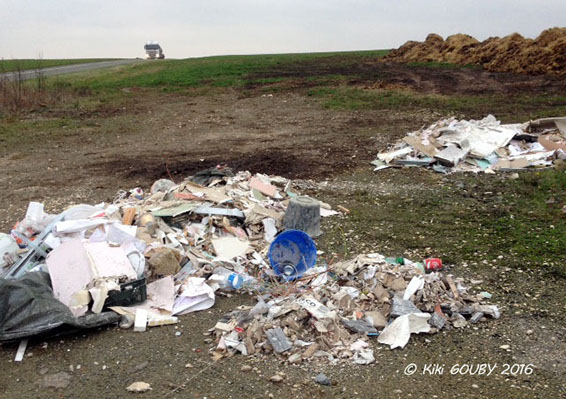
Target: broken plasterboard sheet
x: 176, y: 210
x: 161, y: 294
x: 195, y: 295
x: 99, y: 293
x: 70, y: 272
x: 229, y: 247
x: 109, y: 262
x: 387, y: 157
x: 414, y: 161
x: 79, y: 225
x: 482, y: 141
x: 270, y: 229
x: 264, y: 188
x: 397, y: 334
x: 128, y: 230
x: 550, y: 123
x: 140, y: 323
x: 451, y: 155
x: 278, y: 340
x: 364, y: 356
x: 207, y: 210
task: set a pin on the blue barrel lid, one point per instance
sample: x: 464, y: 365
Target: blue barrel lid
x: 292, y: 253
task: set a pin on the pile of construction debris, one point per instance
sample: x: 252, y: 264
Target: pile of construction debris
x: 334, y: 313
x: 452, y: 145
x: 544, y: 55
x: 186, y: 240
x: 146, y: 259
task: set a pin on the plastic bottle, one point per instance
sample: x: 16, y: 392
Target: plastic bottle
x: 234, y: 281
x: 230, y: 280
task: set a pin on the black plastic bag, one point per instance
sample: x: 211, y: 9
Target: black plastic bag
x: 28, y: 308
x: 207, y: 176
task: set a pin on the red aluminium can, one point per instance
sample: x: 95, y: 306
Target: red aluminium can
x: 433, y: 264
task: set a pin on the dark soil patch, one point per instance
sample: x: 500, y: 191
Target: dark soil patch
x: 423, y: 79
x: 292, y: 164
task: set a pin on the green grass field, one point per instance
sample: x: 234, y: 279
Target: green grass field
x: 26, y: 64
x: 325, y: 75
x: 221, y: 71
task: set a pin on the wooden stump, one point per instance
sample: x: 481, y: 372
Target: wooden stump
x: 303, y: 213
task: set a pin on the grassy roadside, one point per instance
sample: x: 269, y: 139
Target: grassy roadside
x: 334, y: 78
x: 26, y: 64
x: 221, y: 71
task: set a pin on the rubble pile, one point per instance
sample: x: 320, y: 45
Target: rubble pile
x: 334, y: 313
x: 452, y: 145
x: 544, y: 55
x: 145, y: 259
x: 186, y: 240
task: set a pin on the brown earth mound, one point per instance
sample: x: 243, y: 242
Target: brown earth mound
x: 544, y: 55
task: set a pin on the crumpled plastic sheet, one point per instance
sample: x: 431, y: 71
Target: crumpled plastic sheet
x: 28, y: 308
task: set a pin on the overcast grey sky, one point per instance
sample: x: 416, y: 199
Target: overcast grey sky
x: 117, y: 28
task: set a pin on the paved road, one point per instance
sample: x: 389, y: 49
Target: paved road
x: 64, y: 69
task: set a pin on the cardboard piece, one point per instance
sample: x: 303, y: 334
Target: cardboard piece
x: 428, y: 149
x: 552, y: 142
x: 519, y: 163
x: 217, y: 194
x: 129, y: 215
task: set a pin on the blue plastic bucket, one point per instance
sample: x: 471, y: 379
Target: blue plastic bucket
x: 292, y: 253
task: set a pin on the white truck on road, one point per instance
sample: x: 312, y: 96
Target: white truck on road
x: 153, y: 50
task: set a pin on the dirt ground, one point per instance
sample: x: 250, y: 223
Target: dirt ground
x: 422, y: 78
x: 153, y: 134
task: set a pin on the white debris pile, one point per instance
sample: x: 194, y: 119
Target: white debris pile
x: 186, y: 240
x: 336, y: 313
x: 452, y: 145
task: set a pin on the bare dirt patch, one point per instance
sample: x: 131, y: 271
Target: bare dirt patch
x: 422, y: 79
x: 156, y: 135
